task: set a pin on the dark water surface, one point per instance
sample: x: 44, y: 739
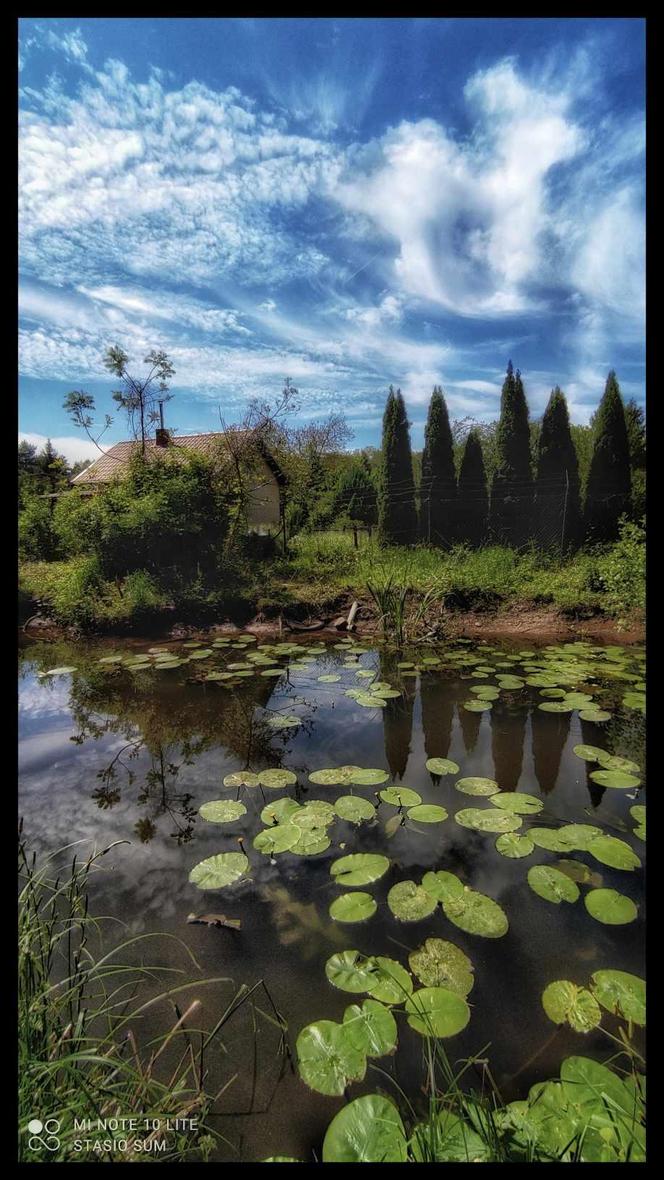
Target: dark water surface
x: 110, y: 754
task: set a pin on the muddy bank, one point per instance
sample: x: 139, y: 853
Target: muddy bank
x: 519, y: 621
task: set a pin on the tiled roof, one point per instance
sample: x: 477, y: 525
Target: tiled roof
x: 113, y: 462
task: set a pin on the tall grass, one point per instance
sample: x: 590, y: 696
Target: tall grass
x: 79, y: 1011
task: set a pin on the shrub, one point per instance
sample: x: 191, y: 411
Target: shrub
x: 623, y: 570
x: 38, y: 539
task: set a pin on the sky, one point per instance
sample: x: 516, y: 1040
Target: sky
x: 349, y: 203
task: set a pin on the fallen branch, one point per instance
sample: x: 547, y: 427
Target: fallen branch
x: 217, y: 920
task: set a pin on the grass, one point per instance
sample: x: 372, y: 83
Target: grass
x: 80, y: 1012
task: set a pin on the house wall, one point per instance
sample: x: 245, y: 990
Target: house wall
x: 263, y: 506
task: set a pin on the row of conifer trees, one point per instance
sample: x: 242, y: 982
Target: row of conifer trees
x: 518, y: 506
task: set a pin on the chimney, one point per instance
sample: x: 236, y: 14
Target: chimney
x: 161, y: 434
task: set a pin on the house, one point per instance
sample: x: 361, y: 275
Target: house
x: 265, y: 500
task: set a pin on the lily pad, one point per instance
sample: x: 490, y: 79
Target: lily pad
x: 514, y: 846
x: 609, y: 850
x: 615, y: 778
x: 283, y: 721
x: 613, y: 762
x: 437, y: 1012
x: 427, y: 813
x: 353, y: 907
x: 351, y: 971
x: 221, y: 811
x: 552, y: 885
x: 410, y: 902
x: 371, y: 1028
x: 621, y: 993
x: 477, y: 786
x: 354, y: 808
x: 610, y: 907
x: 589, y: 753
x: 442, y: 885
x: 517, y: 802
x: 441, y: 766
x: 280, y: 811
x: 359, y: 868
x: 277, y: 779
x: 279, y: 838
x: 370, y: 701
x: 311, y: 842
x: 368, y: 778
x: 217, y: 872
x: 326, y: 1059
x: 441, y: 964
x: 488, y: 819
x: 566, y: 1003
x: 334, y: 776
x: 368, y: 1130
x: 476, y: 914
x: 241, y: 778
x: 329, y: 678
x: 400, y: 797
x: 477, y: 706
x: 390, y: 982
x: 596, y: 715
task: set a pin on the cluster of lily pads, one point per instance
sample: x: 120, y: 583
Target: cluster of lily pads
x: 619, y: 992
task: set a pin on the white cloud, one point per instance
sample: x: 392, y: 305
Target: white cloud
x: 74, y: 449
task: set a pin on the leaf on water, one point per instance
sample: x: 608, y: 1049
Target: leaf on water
x: 442, y: 964
x: 477, y: 786
x: 552, y: 885
x: 517, y: 802
x: 390, y: 982
x: 353, y: 907
x: 610, y: 907
x: 427, y: 813
x: 276, y: 779
x: 514, y: 846
x: 354, y: 808
x: 488, y: 819
x: 476, y: 914
x: 221, y: 811
x: 216, y: 872
x: 566, y: 1003
x: 367, y: 1130
x: 437, y: 1012
x: 621, y: 993
x: 359, y: 868
x: 441, y: 766
x: 409, y: 902
x: 619, y: 779
x: 400, y: 797
x: 281, y: 837
x: 241, y: 778
x: 351, y: 971
x: 326, y: 1059
x: 371, y: 1028
x: 609, y: 850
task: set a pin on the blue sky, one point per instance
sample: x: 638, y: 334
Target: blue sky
x: 350, y: 203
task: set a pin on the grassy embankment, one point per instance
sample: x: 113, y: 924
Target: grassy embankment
x: 323, y: 569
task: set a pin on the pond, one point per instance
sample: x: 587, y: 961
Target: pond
x: 127, y: 741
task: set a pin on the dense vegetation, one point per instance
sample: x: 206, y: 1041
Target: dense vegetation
x: 541, y: 503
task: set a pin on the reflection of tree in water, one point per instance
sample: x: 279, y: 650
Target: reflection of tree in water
x: 397, y: 717
x: 593, y: 735
x: 550, y: 732
x: 508, y: 732
x: 174, y: 724
x: 437, y: 715
x: 470, y: 727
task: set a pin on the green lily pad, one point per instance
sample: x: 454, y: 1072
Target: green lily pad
x: 390, y: 982
x: 370, y: 701
x: 63, y: 671
x: 613, y: 762
x: 510, y: 682
x: 334, y: 776
x: 368, y: 778
x: 514, y: 846
x: 621, y: 993
x: 359, y: 868
x: 371, y: 1028
x: 517, y: 802
x: 488, y: 819
x: 410, y: 902
x: 280, y: 811
x: 283, y: 721
x: 578, y: 836
x: 589, y: 753
x: 551, y: 884
x: 315, y: 814
x: 329, y: 678
x: 368, y: 1130
x: 441, y: 964
x: 241, y: 778
x: 279, y: 838
x: 351, y: 971
x: 477, y: 706
x: 610, y: 907
x: 441, y: 766
x: 437, y: 1012
x: 326, y: 1059
x: 353, y: 907
x: 555, y: 706
x: 442, y: 885
x: 609, y: 850
x: 400, y: 797
x: 577, y: 871
x: 594, y: 715
x: 277, y: 779
x: 427, y: 813
x: 477, y: 786
x: 216, y: 872
x: 566, y: 1003
x: 354, y: 809
x: 221, y: 811
x: 311, y: 842
x: 615, y: 778
x: 447, y: 1138
x: 476, y: 914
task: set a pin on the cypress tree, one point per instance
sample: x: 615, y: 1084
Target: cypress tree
x: 473, y: 498
x: 397, y: 514
x: 438, y: 490
x: 510, y: 514
x: 557, y: 492
x: 609, y: 481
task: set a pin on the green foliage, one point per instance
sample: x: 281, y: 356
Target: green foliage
x: 397, y: 514
x: 609, y: 482
x: 512, y: 487
x: 622, y: 570
x: 355, y: 497
x: 557, y: 495
x: 438, y: 489
x: 473, y: 501
x: 37, y: 537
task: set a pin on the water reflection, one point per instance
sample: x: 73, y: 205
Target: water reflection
x: 397, y: 718
x: 550, y: 732
x: 508, y: 732
x: 470, y: 727
x: 437, y: 716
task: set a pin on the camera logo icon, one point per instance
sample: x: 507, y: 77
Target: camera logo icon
x: 43, y: 1134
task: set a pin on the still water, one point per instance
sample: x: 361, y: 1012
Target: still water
x: 110, y: 752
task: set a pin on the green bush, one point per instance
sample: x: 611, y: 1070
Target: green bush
x: 37, y: 537
x: 623, y: 570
